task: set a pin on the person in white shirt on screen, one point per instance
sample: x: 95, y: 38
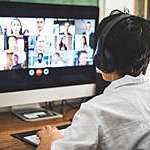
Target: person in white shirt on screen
x: 43, y: 32
x: 57, y: 60
x: 40, y: 25
x: 118, y: 118
x: 40, y: 62
x: 41, y: 45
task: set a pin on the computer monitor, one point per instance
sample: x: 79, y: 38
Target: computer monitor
x: 46, y: 52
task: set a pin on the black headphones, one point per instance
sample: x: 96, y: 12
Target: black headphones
x: 103, y: 60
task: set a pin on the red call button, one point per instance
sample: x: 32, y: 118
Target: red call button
x: 38, y: 72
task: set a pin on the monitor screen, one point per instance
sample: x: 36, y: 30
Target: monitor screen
x: 45, y: 46
x: 45, y: 42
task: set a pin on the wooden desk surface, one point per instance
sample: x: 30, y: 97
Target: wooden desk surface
x: 10, y: 124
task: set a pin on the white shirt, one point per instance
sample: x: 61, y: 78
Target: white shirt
x: 40, y: 65
x: 114, y: 120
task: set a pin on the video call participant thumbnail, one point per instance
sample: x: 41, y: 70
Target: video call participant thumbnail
x: 40, y: 25
x: 16, y: 27
x: 62, y: 44
x: 89, y: 34
x: 12, y: 43
x: 16, y: 62
x: 82, y: 58
x: 66, y: 29
x: 9, y: 61
x: 40, y: 63
x: 57, y: 60
x: 17, y: 43
x: 67, y: 37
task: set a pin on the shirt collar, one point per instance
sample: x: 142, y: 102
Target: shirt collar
x: 126, y: 80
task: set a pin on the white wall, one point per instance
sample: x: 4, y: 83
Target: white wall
x: 118, y: 4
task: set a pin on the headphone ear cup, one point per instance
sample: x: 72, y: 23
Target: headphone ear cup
x: 104, y: 61
x: 109, y: 62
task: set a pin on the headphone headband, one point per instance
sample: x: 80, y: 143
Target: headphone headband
x: 99, y: 60
x: 110, y: 25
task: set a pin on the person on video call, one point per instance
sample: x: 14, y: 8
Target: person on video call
x: 16, y: 27
x: 42, y: 32
x: 40, y: 62
x: 84, y: 43
x: 41, y: 44
x: 12, y: 44
x: 16, y: 62
x: 57, y: 60
x: 82, y: 58
x: 66, y: 29
x: 67, y: 34
x: 40, y: 25
x: 62, y: 44
x: 9, y: 61
x: 118, y: 118
x: 89, y: 34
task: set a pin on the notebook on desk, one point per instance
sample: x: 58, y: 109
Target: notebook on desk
x: 30, y: 136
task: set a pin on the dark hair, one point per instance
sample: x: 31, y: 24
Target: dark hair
x: 88, y: 22
x: 127, y: 45
x: 9, y: 38
x: 12, y: 36
x: 26, y: 30
x: 20, y: 32
x: 62, y: 44
x: 57, y: 54
x: 84, y: 39
x: 40, y: 54
x: 67, y: 21
x: 16, y: 56
x: 80, y: 52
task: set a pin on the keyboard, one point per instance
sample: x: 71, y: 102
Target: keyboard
x: 31, y: 137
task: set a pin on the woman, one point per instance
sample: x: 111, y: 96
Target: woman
x: 119, y: 117
x: 84, y: 42
x: 62, y: 45
x: 16, y: 27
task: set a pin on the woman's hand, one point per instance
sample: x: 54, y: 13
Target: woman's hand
x: 47, y: 135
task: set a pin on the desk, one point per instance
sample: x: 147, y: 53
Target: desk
x: 10, y: 124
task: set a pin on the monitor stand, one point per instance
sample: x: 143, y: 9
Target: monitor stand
x: 33, y: 112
